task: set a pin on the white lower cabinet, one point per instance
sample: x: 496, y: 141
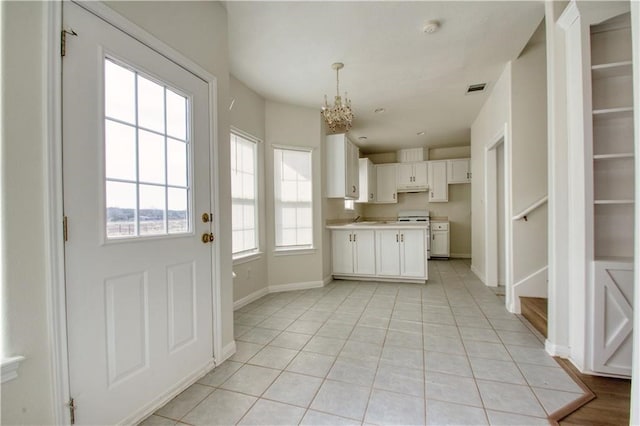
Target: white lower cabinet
x: 401, y: 253
x: 439, y: 239
x: 381, y: 253
x: 353, y: 252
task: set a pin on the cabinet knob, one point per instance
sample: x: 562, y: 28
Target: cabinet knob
x: 394, y: 195
x: 353, y: 189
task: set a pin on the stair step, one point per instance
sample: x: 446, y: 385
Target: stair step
x: 534, y: 309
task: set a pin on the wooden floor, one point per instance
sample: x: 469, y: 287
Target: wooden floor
x: 606, y: 401
x: 611, y: 403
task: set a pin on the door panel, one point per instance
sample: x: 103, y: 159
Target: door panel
x: 387, y: 252
x: 412, y: 253
x: 342, y: 252
x: 364, y: 253
x: 138, y: 277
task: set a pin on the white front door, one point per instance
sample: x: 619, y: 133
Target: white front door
x: 136, y: 168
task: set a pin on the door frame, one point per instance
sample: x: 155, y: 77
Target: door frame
x: 502, y: 137
x: 56, y: 290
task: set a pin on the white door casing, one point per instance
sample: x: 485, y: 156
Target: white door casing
x: 139, y: 311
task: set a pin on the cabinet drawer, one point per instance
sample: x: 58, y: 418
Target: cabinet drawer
x: 439, y: 226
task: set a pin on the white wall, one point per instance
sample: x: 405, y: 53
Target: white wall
x: 288, y: 125
x: 529, y: 167
x: 248, y: 115
x: 196, y: 29
x: 485, y: 131
x: 558, y: 178
x: 27, y: 399
x: 635, y: 378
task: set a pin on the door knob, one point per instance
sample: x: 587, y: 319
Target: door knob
x: 208, y: 238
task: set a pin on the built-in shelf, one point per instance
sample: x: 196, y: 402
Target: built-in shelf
x: 620, y: 259
x: 613, y: 112
x: 613, y: 202
x: 613, y: 156
x: 614, y: 69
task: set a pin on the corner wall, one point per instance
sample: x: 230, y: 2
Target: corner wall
x: 248, y: 115
x: 289, y: 125
x: 28, y: 398
x: 485, y: 131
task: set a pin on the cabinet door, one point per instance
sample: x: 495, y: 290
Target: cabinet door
x: 438, y: 190
x: 458, y: 171
x: 420, y: 174
x: 353, y: 170
x: 440, y: 243
x: 342, y: 252
x: 386, y: 178
x: 412, y: 253
x: 388, y: 252
x: 404, y: 174
x: 367, y: 182
x: 364, y: 252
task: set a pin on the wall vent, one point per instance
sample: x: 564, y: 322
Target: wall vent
x: 474, y: 88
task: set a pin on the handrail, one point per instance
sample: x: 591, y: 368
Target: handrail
x: 531, y: 208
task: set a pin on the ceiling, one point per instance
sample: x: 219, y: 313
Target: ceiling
x: 284, y: 51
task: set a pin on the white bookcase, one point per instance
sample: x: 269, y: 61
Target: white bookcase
x: 613, y: 196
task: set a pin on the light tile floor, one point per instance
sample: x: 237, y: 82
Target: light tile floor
x: 374, y: 353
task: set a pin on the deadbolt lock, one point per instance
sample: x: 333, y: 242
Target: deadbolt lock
x: 208, y: 237
x: 207, y: 217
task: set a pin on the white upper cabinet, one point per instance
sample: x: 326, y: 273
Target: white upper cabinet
x: 412, y: 177
x: 368, y: 183
x: 343, y: 169
x: 438, y: 188
x: 459, y: 170
x: 386, y: 191
x: 410, y: 155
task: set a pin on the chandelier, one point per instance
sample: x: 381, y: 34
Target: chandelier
x: 338, y: 116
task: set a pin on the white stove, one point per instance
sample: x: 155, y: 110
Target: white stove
x: 418, y: 216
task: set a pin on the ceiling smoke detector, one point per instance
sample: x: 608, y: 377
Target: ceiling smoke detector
x: 362, y: 138
x: 379, y: 110
x: 431, y: 27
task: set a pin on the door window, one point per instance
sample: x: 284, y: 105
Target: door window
x: 146, y: 145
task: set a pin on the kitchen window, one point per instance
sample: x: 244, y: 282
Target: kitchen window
x: 293, y: 199
x: 244, y: 199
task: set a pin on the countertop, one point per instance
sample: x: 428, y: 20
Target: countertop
x: 378, y: 225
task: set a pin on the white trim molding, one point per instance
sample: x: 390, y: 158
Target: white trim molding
x: 10, y: 368
x: 227, y: 352
x: 295, y: 286
x: 557, y: 350
x: 240, y: 303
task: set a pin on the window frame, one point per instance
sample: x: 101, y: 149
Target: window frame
x: 297, y: 249
x: 248, y: 255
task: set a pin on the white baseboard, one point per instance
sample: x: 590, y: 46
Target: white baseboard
x: 250, y: 298
x: 327, y: 280
x: 167, y: 396
x: 227, y: 351
x: 478, y: 274
x: 295, y: 286
x: 561, y: 351
x: 460, y: 255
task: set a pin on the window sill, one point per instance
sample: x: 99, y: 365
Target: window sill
x: 247, y: 258
x: 10, y: 368
x: 294, y: 252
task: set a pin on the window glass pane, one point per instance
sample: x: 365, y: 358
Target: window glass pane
x: 121, y: 209
x: 144, y: 157
x: 243, y: 193
x: 151, y: 157
x: 176, y: 115
x: 293, y: 198
x: 177, y: 210
x: 152, y: 210
x: 249, y: 239
x: 150, y: 105
x: 119, y: 92
x: 120, y: 151
x: 176, y: 162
